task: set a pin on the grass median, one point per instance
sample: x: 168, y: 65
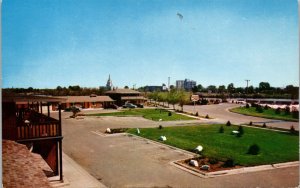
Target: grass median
x: 267, y: 113
x: 152, y: 114
x: 275, y: 147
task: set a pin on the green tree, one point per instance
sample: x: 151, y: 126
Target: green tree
x: 212, y: 88
x: 221, y: 89
x: 126, y: 87
x: 264, y: 86
x: 183, y: 98
x: 172, y: 98
x: 230, y: 88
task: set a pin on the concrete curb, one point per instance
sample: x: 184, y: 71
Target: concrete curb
x: 232, y: 171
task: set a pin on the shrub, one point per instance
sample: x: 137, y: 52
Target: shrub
x: 295, y: 114
x: 170, y: 114
x: 287, y: 110
x: 250, y: 123
x: 241, y: 130
x: 264, y: 125
x: 229, y: 163
x: 266, y: 107
x: 259, y: 109
x: 221, y: 129
x: 253, y: 149
x: 213, y: 161
x: 196, y: 114
x: 228, y: 123
x: 292, y: 130
x: 247, y: 105
x: 160, y: 127
x: 277, y: 111
x: 207, y: 117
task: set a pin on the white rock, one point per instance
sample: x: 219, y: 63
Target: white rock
x: 163, y: 138
x: 199, y: 148
x: 235, y: 132
x: 108, y: 130
x: 160, y: 120
x: 194, y: 163
x: 138, y: 130
x: 204, y: 167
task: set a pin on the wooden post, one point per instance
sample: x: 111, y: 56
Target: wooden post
x: 41, y: 107
x: 60, y: 161
x: 59, y: 118
x: 48, y: 108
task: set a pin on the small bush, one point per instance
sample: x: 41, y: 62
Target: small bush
x: 253, y: 149
x: 287, y: 110
x: 213, y: 161
x: 259, y: 109
x: 229, y: 163
x: 228, y: 123
x: 266, y: 107
x: 295, y: 114
x: 292, y: 130
x: 170, y: 114
x: 241, y: 130
x: 221, y: 129
x: 247, y: 105
x: 196, y: 114
x: 160, y: 127
x: 250, y: 123
x: 207, y: 117
x: 264, y: 125
x: 277, y: 111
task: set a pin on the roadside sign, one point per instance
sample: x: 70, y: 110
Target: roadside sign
x: 195, y: 98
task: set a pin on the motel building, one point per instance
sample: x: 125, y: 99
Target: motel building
x: 92, y: 101
x: 29, y: 134
x: 122, y: 96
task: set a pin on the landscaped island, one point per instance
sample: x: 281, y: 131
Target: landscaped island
x: 267, y: 113
x: 275, y: 147
x: 152, y: 114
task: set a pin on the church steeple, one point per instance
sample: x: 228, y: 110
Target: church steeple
x: 109, y: 83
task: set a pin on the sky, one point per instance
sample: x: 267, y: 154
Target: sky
x: 50, y: 43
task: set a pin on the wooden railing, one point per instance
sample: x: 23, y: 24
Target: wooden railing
x: 37, y: 126
x: 38, y: 130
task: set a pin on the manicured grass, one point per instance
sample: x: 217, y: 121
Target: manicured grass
x: 267, y: 113
x: 274, y: 146
x: 152, y: 114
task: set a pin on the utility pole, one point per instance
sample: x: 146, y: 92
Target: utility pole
x: 169, y: 83
x: 247, y: 89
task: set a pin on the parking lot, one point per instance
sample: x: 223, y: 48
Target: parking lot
x: 124, y: 161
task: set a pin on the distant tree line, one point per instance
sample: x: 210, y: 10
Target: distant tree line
x: 264, y: 90
x: 58, y: 91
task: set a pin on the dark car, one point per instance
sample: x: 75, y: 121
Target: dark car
x: 129, y: 105
x: 140, y: 105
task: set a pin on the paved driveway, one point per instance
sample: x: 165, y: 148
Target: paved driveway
x: 123, y: 161
x: 221, y: 114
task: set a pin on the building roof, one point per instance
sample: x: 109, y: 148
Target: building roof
x: 133, y: 98
x: 122, y: 91
x: 31, y: 98
x: 21, y: 168
x: 73, y: 99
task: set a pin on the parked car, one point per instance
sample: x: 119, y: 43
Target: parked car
x: 113, y: 106
x: 140, y: 105
x: 129, y: 105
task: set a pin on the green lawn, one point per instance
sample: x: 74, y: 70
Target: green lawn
x: 269, y: 113
x: 274, y: 146
x: 152, y: 114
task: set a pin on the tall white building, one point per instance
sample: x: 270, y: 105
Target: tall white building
x: 185, y: 84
